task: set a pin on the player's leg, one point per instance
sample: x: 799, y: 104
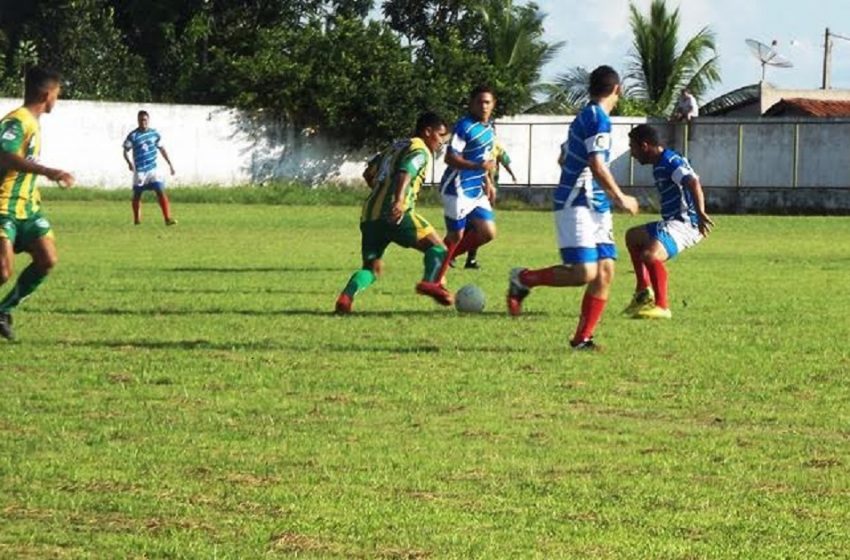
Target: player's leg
x: 668, y: 239
x: 593, y: 303
x: 137, y: 203
x: 7, y: 261
x: 36, y: 238
x: 579, y: 256
x: 415, y: 231
x: 481, y: 227
x: 455, y: 210
x: 637, y: 241
x: 158, y: 187
x: 596, y: 295
x: 373, y: 243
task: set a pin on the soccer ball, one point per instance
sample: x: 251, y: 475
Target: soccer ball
x: 470, y: 299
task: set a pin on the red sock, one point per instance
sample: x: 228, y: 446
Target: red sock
x: 450, y: 254
x: 541, y: 277
x: 591, y: 311
x: 470, y: 240
x: 137, y: 209
x: 641, y: 274
x: 163, y: 203
x: 658, y: 274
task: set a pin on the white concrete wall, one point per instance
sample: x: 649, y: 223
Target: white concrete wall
x: 222, y: 146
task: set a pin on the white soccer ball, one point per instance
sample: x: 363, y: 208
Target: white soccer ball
x: 470, y: 299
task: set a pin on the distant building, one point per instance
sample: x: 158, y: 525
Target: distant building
x: 764, y: 100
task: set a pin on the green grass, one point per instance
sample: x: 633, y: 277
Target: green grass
x: 185, y: 393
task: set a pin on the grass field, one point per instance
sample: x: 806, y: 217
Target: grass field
x: 185, y: 393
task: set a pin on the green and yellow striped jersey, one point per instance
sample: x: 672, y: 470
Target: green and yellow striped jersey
x: 19, y: 135
x: 411, y: 156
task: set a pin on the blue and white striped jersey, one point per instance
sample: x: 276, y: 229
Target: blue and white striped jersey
x: 144, y: 144
x: 671, y: 174
x: 590, y: 133
x: 473, y: 141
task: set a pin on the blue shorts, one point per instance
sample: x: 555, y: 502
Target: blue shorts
x: 478, y: 213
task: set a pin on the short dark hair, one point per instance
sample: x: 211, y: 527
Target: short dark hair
x: 479, y: 89
x: 38, y: 80
x: 645, y: 133
x: 603, y: 80
x: 142, y: 113
x: 428, y: 119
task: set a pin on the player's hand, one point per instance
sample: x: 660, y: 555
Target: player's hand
x: 396, y: 213
x: 65, y: 179
x: 705, y: 224
x: 629, y: 204
x: 513, y: 177
x: 490, y: 191
x: 130, y: 166
x: 489, y: 165
x: 172, y: 170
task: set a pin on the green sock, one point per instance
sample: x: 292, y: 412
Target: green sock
x: 359, y: 281
x: 433, y: 260
x: 28, y: 281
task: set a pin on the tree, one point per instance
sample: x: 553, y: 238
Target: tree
x: 658, y: 72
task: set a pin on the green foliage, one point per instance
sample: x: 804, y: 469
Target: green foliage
x: 186, y: 393
x: 658, y: 70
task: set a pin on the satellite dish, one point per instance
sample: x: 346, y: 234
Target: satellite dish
x: 768, y: 55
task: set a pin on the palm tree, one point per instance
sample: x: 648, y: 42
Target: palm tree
x: 658, y: 73
x: 512, y: 38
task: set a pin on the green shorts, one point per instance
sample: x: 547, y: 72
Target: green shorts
x: 376, y: 235
x: 23, y: 232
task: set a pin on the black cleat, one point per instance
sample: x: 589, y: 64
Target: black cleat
x: 586, y: 345
x: 472, y: 263
x: 6, y: 326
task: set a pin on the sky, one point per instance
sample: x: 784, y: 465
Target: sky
x: 597, y: 32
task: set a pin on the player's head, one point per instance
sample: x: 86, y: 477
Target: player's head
x: 431, y: 128
x: 482, y: 101
x: 604, y: 82
x: 144, y: 119
x: 644, y: 143
x: 41, y: 87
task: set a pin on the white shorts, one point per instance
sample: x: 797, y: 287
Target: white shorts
x: 585, y: 235
x: 674, y: 235
x: 459, y: 209
x: 145, y: 178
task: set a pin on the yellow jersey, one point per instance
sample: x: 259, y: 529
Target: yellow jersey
x: 20, y: 134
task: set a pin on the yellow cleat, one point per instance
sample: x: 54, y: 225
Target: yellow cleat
x: 641, y: 299
x: 653, y: 312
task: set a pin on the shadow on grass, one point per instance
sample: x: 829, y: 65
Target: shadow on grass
x: 251, y: 269
x: 359, y: 315
x: 269, y: 345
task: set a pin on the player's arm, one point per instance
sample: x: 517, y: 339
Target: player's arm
x: 127, y: 159
x: 11, y: 138
x: 457, y: 161
x: 603, y: 175
x: 505, y: 160
x: 165, y: 156
x: 692, y: 183
x: 402, y: 178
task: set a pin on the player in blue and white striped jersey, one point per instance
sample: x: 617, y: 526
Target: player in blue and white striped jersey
x: 583, y: 212
x: 145, y: 143
x: 683, y: 224
x: 466, y: 188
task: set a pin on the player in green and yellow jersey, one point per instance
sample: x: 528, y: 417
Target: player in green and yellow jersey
x: 389, y: 213
x: 23, y: 228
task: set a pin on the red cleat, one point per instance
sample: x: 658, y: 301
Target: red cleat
x: 435, y: 291
x: 343, y: 304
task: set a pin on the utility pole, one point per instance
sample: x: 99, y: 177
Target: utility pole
x: 827, y: 55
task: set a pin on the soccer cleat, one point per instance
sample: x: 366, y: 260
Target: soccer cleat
x: 436, y: 291
x: 171, y: 222
x: 586, y: 345
x: 6, y: 326
x: 641, y: 299
x: 137, y: 222
x: 472, y: 264
x: 653, y: 312
x: 516, y: 292
x: 343, y: 304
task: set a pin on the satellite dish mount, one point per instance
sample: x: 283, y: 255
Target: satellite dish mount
x: 768, y: 55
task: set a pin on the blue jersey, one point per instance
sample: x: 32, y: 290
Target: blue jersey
x: 589, y: 134
x: 144, y: 144
x: 473, y: 141
x: 671, y: 174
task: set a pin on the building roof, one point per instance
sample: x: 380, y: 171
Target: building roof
x: 800, y: 107
x: 731, y: 101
